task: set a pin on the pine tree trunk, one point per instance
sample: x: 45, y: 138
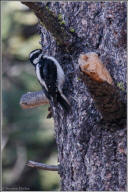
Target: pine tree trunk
x: 91, y: 151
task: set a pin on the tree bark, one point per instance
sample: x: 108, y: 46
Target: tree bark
x: 91, y: 150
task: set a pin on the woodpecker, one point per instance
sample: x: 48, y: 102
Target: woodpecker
x: 51, y: 77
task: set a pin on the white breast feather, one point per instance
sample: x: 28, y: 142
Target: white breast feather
x: 39, y: 77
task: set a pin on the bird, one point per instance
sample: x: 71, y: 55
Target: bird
x: 50, y: 76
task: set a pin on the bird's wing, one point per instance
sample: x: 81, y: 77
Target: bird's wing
x: 48, y: 72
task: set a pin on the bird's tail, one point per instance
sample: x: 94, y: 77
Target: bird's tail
x: 63, y: 102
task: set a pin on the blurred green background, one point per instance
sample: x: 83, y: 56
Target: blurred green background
x: 26, y: 133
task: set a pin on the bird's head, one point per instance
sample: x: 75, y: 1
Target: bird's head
x: 35, y: 56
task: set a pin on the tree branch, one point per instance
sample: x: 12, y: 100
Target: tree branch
x: 42, y: 166
x: 101, y: 87
x: 56, y: 27
x: 33, y: 99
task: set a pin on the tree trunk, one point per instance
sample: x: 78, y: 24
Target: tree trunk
x: 91, y: 151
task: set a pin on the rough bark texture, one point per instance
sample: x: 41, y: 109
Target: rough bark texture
x: 53, y: 23
x: 91, y: 152
x: 107, y: 100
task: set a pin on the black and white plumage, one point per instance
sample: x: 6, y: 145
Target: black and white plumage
x: 51, y: 77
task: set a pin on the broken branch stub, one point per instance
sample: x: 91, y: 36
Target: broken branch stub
x: 101, y: 87
x: 33, y: 99
x: 43, y: 166
x: 91, y: 65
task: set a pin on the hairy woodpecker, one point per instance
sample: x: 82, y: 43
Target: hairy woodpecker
x: 51, y: 77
